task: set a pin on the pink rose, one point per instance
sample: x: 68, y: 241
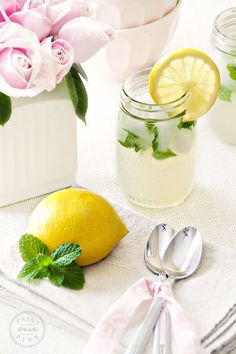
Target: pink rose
x: 21, y: 63
x: 33, y: 18
x: 63, y: 55
x: 86, y: 35
x: 62, y: 11
x: 57, y: 59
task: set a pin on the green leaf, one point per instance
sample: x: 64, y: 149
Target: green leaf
x: 131, y: 141
x: 232, y: 71
x: 30, y: 246
x: 80, y: 70
x: 77, y: 92
x: 224, y: 94
x: 162, y: 155
x: 187, y: 125
x: 65, y: 254
x: 5, y: 108
x: 73, y: 277
x: 151, y: 127
x: 55, y: 275
x: 36, y: 268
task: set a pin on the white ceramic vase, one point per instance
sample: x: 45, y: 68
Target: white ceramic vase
x: 38, y: 148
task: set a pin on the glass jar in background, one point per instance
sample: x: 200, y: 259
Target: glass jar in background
x: 155, y: 150
x: 223, y: 114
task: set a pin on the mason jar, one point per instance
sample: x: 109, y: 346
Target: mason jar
x: 223, y: 114
x: 155, y: 149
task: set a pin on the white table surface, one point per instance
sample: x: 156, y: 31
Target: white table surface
x: 211, y: 207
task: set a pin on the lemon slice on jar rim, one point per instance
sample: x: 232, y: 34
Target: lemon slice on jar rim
x: 186, y: 71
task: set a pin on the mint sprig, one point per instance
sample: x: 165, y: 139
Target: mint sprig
x: 131, y: 141
x: 156, y: 152
x: 59, y: 267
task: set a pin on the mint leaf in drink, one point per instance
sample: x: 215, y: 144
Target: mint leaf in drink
x: 35, y: 268
x: 187, y: 125
x: 66, y: 254
x: 30, y: 246
x: 232, y: 71
x: 162, y: 155
x: 73, y: 277
x: 55, y: 275
x: 131, y: 141
x: 151, y: 127
x: 224, y: 94
x: 158, y: 154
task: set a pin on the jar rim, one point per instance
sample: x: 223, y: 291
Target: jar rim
x: 219, y: 35
x: 143, y: 71
x: 150, y: 107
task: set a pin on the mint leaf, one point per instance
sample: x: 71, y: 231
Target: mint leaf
x: 35, y: 268
x: 5, y: 108
x: 77, y: 92
x: 55, y: 275
x: 157, y: 154
x: 65, y: 254
x: 162, y: 155
x: 224, y: 94
x: 73, y: 277
x: 131, y: 141
x: 232, y: 71
x: 152, y: 128
x: 30, y: 246
x: 186, y: 125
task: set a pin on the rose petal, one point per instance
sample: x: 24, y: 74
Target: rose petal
x: 87, y: 36
x: 65, y: 61
x: 33, y: 20
x: 64, y: 11
x: 47, y: 76
x: 9, y: 72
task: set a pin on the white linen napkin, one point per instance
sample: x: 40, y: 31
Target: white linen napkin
x: 207, y: 295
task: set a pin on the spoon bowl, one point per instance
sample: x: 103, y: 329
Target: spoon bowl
x: 183, y: 254
x: 158, y: 241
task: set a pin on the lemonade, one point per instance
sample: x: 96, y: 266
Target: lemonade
x: 156, y: 129
x: 223, y: 114
x: 155, y: 152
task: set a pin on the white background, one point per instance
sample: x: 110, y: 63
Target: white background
x: 211, y: 207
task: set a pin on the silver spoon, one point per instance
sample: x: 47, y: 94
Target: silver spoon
x: 158, y: 241
x: 182, y: 257
x: 183, y: 254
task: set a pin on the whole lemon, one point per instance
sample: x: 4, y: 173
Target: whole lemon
x: 81, y: 217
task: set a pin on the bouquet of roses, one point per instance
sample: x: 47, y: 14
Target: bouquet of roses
x: 43, y: 42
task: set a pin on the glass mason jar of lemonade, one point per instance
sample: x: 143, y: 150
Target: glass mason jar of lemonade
x: 223, y: 114
x: 155, y: 149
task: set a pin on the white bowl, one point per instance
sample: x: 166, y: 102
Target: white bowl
x: 123, y: 14
x: 133, y: 49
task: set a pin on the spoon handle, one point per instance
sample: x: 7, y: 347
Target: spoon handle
x: 162, y: 339
x: 145, y: 329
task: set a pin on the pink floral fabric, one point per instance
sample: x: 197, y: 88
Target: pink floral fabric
x: 108, y: 334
